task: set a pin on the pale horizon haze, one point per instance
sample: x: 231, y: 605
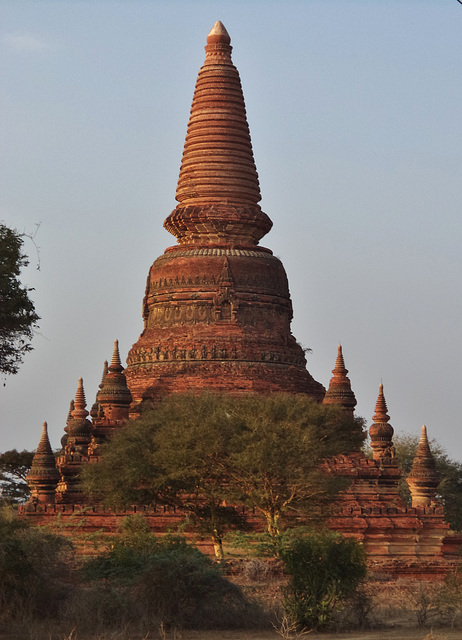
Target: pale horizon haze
x: 355, y: 114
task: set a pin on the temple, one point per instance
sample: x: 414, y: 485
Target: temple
x: 217, y: 315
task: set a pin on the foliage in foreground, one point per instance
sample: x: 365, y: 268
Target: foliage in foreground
x: 34, y: 569
x: 324, y: 569
x: 17, y: 313
x: 200, y: 452
x: 164, y: 581
x: 14, y: 467
x: 142, y: 582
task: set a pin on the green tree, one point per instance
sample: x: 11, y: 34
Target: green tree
x: 173, y: 455
x: 17, y: 312
x: 324, y: 570
x: 450, y: 487
x: 14, y: 467
x: 275, y: 463
x: 200, y: 452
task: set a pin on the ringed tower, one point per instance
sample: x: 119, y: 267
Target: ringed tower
x: 217, y: 309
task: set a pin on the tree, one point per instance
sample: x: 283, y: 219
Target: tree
x: 202, y: 453
x: 14, y: 467
x: 172, y: 455
x: 18, y: 318
x: 324, y: 569
x: 450, y: 487
x: 275, y: 463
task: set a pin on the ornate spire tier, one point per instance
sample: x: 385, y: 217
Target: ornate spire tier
x: 43, y: 476
x: 112, y: 406
x: 218, y: 187
x: 217, y: 308
x: 75, y: 449
x: 380, y: 432
x: 339, y: 391
x: 423, y: 479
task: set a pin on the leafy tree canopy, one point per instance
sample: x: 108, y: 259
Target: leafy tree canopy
x: 14, y: 467
x: 17, y: 312
x: 450, y: 487
x: 202, y: 452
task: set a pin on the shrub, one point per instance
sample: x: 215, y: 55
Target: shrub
x: 163, y: 581
x: 34, y: 569
x: 324, y: 570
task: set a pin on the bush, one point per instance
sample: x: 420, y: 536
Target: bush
x: 324, y: 569
x: 163, y: 581
x: 34, y: 569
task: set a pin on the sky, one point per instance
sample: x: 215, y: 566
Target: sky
x: 354, y: 108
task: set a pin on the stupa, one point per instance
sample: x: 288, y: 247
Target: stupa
x: 217, y: 315
x: 217, y: 309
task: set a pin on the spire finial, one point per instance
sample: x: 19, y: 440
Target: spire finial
x: 105, y: 368
x: 381, y: 409
x: 80, y: 403
x: 423, y: 479
x: 218, y: 33
x: 339, y: 391
x: 340, y: 363
x: 115, y: 365
x: 380, y: 432
x: 44, y: 444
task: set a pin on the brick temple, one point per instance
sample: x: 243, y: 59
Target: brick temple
x: 217, y: 315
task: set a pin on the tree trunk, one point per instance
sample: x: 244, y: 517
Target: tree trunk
x: 218, y: 548
x: 272, y: 523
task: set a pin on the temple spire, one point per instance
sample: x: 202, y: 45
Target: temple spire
x: 43, y: 476
x: 113, y: 397
x: 423, y: 479
x: 116, y: 365
x: 218, y: 189
x: 80, y: 402
x: 78, y: 427
x: 380, y: 432
x: 339, y: 391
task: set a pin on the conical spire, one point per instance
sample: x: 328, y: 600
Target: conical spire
x: 114, y: 396
x: 105, y: 368
x: 116, y: 365
x: 80, y: 403
x: 380, y: 432
x: 339, y: 391
x: 218, y: 188
x: 96, y: 408
x: 210, y: 324
x: 43, y: 475
x: 423, y: 479
x: 381, y: 409
x: 68, y: 421
x: 44, y: 447
x: 78, y: 427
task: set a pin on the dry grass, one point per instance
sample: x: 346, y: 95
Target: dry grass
x: 42, y: 633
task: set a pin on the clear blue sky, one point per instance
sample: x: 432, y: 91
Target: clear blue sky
x: 355, y: 112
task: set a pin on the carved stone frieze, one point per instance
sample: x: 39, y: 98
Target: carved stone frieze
x: 141, y: 356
